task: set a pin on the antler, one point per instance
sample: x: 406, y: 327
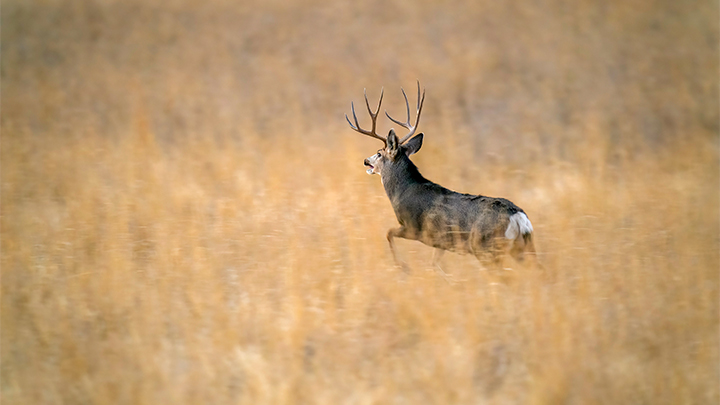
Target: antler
x: 373, y: 116
x: 406, y: 125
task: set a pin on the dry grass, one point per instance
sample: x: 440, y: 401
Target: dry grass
x: 185, y: 216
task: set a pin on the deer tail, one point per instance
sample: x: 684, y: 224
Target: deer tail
x: 519, y: 226
x: 520, y: 232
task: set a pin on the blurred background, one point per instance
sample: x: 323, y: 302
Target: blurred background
x: 186, y: 217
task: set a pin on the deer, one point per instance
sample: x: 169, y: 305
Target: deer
x: 488, y: 228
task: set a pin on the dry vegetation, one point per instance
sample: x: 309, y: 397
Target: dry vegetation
x: 186, y: 218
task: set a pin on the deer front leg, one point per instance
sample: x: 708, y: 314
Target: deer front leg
x: 400, y: 232
x: 437, y: 255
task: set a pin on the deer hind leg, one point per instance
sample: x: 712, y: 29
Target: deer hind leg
x: 481, y: 248
x: 489, y: 258
x: 523, y: 251
x: 437, y: 255
x: 400, y: 232
x: 492, y: 263
x: 518, y: 248
x: 491, y: 255
x: 531, y: 255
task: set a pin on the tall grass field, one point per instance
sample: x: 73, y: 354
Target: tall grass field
x: 186, y: 219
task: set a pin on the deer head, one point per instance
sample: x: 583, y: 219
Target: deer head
x: 395, y: 149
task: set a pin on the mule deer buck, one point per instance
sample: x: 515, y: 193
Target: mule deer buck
x: 487, y: 227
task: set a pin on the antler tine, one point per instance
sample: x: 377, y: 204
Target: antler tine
x: 423, y: 96
x: 406, y: 125
x: 402, y: 124
x: 373, y: 117
x: 377, y: 110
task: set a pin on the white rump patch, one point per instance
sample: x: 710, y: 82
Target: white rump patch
x: 519, y: 225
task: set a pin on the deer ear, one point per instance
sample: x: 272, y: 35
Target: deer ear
x: 392, y: 141
x: 414, y: 144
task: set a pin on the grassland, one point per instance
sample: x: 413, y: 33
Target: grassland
x: 186, y: 218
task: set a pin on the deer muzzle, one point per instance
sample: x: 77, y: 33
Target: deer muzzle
x: 370, y: 167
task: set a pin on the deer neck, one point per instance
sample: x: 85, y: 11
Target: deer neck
x: 400, y: 177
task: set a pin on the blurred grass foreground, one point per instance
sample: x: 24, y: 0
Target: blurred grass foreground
x: 186, y: 218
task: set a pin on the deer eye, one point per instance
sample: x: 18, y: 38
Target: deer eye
x: 378, y: 155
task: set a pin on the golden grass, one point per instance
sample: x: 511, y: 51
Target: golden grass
x: 186, y: 219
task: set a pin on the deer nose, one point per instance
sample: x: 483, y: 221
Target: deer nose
x: 366, y: 162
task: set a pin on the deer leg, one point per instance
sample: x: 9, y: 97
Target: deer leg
x: 437, y: 255
x: 530, y: 253
x: 491, y: 262
x: 400, y: 232
x: 483, y: 248
x: 517, y: 250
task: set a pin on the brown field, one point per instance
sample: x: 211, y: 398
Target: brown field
x: 186, y: 218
